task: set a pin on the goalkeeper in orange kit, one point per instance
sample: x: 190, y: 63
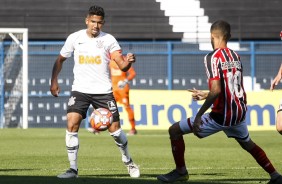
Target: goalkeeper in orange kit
x: 120, y: 82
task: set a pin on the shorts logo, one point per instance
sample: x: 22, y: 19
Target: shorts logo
x: 111, y: 105
x: 71, y: 101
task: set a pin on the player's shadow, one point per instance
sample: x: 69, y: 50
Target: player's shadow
x: 152, y: 179
x: 12, y: 170
x: 112, y: 179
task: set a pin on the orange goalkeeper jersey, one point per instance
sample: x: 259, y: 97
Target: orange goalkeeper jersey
x: 118, y: 75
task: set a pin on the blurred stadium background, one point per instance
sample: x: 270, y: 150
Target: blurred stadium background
x: 170, y: 39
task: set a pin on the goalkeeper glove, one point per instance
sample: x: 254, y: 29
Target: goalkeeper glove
x: 122, y: 83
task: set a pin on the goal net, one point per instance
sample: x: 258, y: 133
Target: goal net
x: 14, y: 77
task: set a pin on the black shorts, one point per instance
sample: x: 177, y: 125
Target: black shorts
x: 80, y: 102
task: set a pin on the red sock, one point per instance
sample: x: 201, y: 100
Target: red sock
x: 262, y: 159
x: 178, y: 149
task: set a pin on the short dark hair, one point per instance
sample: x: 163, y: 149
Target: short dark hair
x: 224, y: 28
x: 96, y: 10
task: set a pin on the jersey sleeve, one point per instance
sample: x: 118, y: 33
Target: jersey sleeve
x: 211, y: 64
x: 114, y: 45
x: 68, y: 47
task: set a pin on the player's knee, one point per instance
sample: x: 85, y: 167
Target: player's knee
x: 114, y: 126
x: 279, y: 130
x: 279, y: 122
x: 279, y: 126
x: 174, y: 131
x: 247, y: 145
x: 73, y: 121
x: 128, y: 108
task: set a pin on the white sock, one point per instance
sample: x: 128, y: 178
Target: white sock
x: 72, y: 144
x: 121, y: 141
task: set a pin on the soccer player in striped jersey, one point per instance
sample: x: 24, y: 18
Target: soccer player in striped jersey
x: 92, y: 50
x: 227, y: 97
x: 274, y: 83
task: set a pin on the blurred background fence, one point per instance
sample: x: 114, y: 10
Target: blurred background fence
x: 162, y: 65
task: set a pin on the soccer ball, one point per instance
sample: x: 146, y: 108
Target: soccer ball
x: 101, y: 119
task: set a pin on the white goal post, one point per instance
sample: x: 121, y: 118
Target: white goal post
x: 17, y: 39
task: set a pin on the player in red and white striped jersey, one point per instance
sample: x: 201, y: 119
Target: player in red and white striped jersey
x: 227, y: 97
x: 223, y: 65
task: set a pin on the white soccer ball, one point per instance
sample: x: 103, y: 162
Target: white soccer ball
x: 101, y: 119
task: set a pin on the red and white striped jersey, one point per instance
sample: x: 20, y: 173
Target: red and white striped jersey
x: 231, y: 105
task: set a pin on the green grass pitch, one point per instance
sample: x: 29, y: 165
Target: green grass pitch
x: 36, y: 156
